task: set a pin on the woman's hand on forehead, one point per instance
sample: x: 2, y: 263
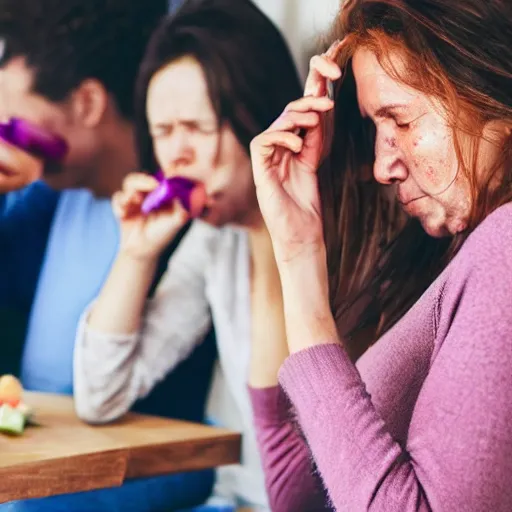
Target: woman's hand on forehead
x: 323, y: 71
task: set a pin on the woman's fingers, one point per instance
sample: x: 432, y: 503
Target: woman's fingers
x: 139, y: 182
x: 286, y: 132
x: 175, y: 209
x: 291, y: 121
x: 334, y: 50
x: 301, y: 113
x: 310, y: 103
x: 265, y: 144
x: 127, y: 204
x: 322, y: 68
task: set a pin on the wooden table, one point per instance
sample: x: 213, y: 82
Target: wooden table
x: 64, y: 455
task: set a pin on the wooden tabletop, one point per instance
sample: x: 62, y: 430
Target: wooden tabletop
x: 64, y: 455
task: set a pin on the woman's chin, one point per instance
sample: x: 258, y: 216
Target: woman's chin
x: 435, y: 230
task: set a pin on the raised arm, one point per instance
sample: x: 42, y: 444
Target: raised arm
x: 125, y: 344
x: 279, y: 442
x: 458, y: 453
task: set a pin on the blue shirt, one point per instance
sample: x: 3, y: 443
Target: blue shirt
x: 81, y: 240
x: 25, y: 220
x: 81, y: 247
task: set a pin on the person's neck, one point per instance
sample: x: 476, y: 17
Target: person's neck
x: 117, y: 159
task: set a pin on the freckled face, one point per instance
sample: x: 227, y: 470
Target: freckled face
x: 414, y: 148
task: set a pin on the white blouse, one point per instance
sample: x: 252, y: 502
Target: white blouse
x: 207, y: 280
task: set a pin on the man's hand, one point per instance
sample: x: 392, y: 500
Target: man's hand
x: 17, y: 168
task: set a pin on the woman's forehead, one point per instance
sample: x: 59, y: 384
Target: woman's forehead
x: 375, y: 87
x: 179, y: 89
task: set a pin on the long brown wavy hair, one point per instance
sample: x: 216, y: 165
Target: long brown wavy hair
x: 458, y: 51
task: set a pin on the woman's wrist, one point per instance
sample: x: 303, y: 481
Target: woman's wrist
x: 305, y: 286
x: 138, y: 261
x: 308, y: 268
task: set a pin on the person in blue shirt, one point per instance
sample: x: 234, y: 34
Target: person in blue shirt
x: 25, y: 220
x: 70, y: 66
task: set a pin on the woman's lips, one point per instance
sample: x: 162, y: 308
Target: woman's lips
x: 409, y: 205
x: 405, y: 200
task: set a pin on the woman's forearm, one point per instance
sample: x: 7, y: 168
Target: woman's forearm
x: 308, y: 316
x: 268, y: 334
x: 120, y: 304
x: 268, y: 348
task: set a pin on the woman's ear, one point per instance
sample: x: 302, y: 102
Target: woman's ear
x: 90, y: 103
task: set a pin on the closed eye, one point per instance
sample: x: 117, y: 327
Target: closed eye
x: 161, y: 130
x: 402, y: 124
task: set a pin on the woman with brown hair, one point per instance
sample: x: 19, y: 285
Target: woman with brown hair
x: 423, y: 421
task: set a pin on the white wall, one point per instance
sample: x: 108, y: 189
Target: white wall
x: 302, y: 22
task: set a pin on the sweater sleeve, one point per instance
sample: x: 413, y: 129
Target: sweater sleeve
x: 111, y: 371
x: 458, y: 452
x: 285, y: 452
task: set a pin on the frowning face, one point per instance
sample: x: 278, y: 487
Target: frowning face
x: 188, y: 142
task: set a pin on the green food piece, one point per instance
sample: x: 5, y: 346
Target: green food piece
x: 12, y: 421
x: 26, y: 410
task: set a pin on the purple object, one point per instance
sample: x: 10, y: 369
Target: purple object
x: 34, y: 140
x: 169, y: 189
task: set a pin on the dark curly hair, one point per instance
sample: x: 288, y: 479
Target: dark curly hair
x: 68, y: 41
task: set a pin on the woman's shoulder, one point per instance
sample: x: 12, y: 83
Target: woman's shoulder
x: 496, y: 223
x: 481, y: 272
x: 490, y: 244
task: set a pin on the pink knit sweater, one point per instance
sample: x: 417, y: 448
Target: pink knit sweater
x: 423, y: 422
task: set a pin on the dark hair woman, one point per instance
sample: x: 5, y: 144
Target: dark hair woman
x: 215, y: 74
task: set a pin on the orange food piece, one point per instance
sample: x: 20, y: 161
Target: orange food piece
x: 13, y: 402
x: 10, y: 389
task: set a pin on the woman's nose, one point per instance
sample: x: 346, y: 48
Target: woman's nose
x: 389, y: 167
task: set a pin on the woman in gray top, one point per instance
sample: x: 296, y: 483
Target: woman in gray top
x: 214, y: 75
